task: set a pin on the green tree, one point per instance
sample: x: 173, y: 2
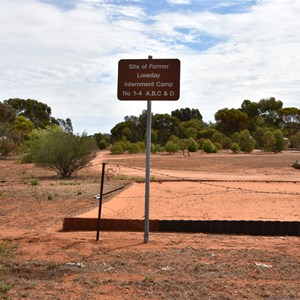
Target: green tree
x: 226, y: 143
x: 235, y: 148
x: 268, y: 110
x: 269, y: 141
x: 7, y: 113
x: 102, y: 140
x: 193, y: 147
x: 171, y: 147
x: 236, y: 138
x: 125, y: 129
x: 231, y: 120
x: 117, y: 148
x: 191, y: 133
x: 186, y: 114
x: 209, y: 147
x: 217, y: 137
x: 165, y: 125
x: 206, y: 133
x: 258, y: 136
x: 184, y: 144
x: 154, y: 136
x: 65, y: 153
x: 295, y: 140
x: 190, y: 128
x: 252, y: 111
x: 134, y: 148
x: 13, y: 135
x: 37, y: 112
x: 280, y: 143
x: 290, y: 117
x: 247, y: 143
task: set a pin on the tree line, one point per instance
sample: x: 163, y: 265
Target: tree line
x: 264, y: 125
x: 27, y: 127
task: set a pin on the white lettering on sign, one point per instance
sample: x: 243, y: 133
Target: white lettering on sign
x: 139, y: 84
x: 147, y: 75
x: 133, y: 67
x: 160, y: 67
x: 149, y: 79
x: 164, y: 84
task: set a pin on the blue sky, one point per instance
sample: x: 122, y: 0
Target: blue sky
x: 65, y: 53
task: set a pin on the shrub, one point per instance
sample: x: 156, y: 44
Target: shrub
x: 247, y: 142
x: 226, y: 143
x: 235, y: 148
x: 269, y: 141
x: 280, y: 143
x: 236, y: 138
x: 184, y: 144
x: 157, y: 148
x: 295, y: 141
x: 61, y: 151
x: 201, y: 142
x: 209, y: 147
x: 134, y: 148
x: 171, y: 147
x: 102, y: 145
x: 218, y: 146
x: 117, y: 148
x: 142, y: 146
x: 7, y: 146
x: 217, y: 137
x: 193, y: 147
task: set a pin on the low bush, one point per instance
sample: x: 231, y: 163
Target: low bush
x: 209, y: 147
x: 235, y: 148
x: 61, y: 151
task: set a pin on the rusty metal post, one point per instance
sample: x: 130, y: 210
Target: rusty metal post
x: 100, y: 200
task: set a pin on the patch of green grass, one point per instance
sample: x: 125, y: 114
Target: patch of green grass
x: 34, y: 181
x: 4, y: 288
x: 137, y: 178
x: 5, y: 248
x: 149, y: 277
x: 121, y: 177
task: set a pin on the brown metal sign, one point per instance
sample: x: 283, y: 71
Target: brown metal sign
x: 149, y: 79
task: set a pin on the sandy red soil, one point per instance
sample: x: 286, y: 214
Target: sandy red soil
x: 45, y: 263
x: 206, y: 201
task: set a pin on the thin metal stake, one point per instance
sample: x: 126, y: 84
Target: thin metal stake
x: 100, y: 200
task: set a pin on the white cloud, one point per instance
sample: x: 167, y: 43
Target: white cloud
x: 179, y: 1
x: 69, y: 58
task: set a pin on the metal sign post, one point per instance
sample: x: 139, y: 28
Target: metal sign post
x: 148, y: 79
x: 148, y: 167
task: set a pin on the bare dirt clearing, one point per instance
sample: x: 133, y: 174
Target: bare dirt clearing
x: 48, y: 264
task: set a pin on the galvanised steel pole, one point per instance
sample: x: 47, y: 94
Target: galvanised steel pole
x: 148, y: 160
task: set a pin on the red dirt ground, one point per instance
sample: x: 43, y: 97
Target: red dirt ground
x: 38, y: 261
